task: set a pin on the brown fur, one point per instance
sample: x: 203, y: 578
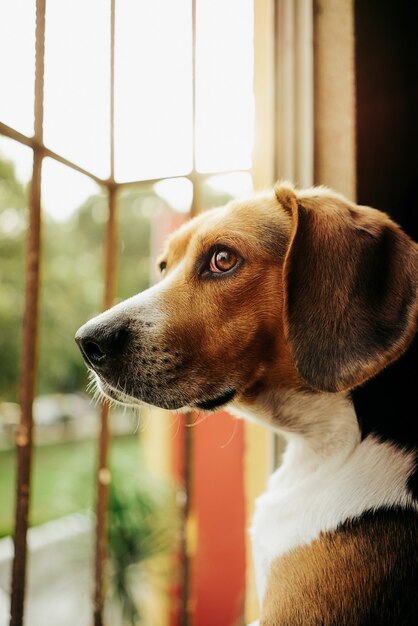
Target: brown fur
x: 365, y: 573
x: 351, y: 281
x: 245, y: 342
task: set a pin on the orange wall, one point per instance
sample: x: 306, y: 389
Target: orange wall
x: 218, y: 507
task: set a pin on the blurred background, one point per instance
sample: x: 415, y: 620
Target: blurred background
x: 171, y: 108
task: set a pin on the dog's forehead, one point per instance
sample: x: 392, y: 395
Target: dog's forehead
x: 258, y: 222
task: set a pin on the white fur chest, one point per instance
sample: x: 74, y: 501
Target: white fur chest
x: 308, y: 495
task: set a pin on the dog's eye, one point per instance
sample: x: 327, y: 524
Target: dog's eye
x: 163, y: 266
x: 223, y: 261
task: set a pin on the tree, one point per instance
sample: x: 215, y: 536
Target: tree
x: 13, y: 201
x: 71, y: 279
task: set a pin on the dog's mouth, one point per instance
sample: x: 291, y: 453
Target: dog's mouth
x: 218, y: 401
x: 121, y: 396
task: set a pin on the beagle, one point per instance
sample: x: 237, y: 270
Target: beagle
x: 297, y: 309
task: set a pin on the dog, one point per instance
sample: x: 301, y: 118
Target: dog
x: 296, y: 309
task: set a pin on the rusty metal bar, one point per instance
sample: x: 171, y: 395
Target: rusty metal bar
x: 186, y: 617
x: 29, y: 346
x: 46, y: 152
x: 27, y: 391
x: 103, y: 472
x: 103, y: 480
x: 112, y: 90
x: 185, y: 556
x: 10, y: 132
x: 31, y: 142
x: 193, y: 176
x: 111, y: 254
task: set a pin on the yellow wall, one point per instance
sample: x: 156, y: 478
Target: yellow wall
x: 257, y: 466
x: 334, y: 94
x: 156, y: 439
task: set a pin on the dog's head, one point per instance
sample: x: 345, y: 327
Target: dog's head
x: 287, y: 290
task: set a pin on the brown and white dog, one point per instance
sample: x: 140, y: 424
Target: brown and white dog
x: 297, y: 309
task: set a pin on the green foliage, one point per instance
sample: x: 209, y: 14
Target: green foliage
x: 12, y: 227
x: 71, y: 279
x: 142, y: 524
x: 62, y: 478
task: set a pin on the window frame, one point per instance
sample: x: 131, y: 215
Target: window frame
x: 28, y: 366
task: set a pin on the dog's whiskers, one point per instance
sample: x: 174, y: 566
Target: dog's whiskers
x: 224, y: 445
x: 201, y: 417
x: 177, y: 422
x: 136, y: 414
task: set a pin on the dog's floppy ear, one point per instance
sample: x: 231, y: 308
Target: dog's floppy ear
x: 350, y: 289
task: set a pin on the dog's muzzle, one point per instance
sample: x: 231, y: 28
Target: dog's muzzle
x: 134, y: 360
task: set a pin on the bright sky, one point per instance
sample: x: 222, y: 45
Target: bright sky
x: 153, y: 90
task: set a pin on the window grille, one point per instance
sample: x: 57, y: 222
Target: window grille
x: 31, y: 316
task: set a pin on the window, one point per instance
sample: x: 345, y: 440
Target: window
x: 148, y: 106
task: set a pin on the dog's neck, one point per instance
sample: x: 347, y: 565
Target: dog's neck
x: 385, y: 406
x: 325, y: 428
x: 317, y: 426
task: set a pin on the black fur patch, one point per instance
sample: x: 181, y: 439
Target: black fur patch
x: 214, y: 403
x: 387, y: 405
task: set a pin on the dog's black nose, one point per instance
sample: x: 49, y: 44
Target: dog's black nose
x: 99, y: 343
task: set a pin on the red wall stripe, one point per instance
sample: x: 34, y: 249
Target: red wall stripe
x: 218, y: 574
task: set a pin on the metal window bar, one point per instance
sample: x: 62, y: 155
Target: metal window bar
x: 30, y: 337
x: 103, y: 473
x: 24, y: 442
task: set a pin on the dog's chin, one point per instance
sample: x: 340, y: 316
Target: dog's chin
x: 108, y: 392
